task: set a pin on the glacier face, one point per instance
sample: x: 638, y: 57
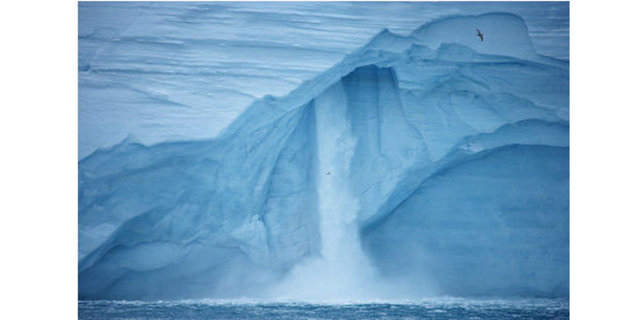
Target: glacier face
x: 166, y: 71
x: 446, y: 158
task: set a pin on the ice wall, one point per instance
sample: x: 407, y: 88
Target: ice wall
x: 422, y: 161
x: 167, y: 71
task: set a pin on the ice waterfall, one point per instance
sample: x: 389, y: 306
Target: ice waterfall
x: 342, y: 271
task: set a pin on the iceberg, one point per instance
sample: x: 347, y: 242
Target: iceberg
x: 424, y: 164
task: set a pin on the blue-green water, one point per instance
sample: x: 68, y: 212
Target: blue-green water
x: 448, y: 308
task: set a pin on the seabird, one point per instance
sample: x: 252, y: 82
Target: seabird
x: 480, y: 35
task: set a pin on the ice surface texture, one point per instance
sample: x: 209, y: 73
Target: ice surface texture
x: 459, y: 165
x: 167, y: 71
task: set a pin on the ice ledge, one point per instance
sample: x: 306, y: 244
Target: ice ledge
x: 504, y: 34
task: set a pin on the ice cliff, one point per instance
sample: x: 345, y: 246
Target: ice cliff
x: 444, y: 160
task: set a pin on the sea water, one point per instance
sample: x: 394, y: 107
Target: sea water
x: 441, y: 308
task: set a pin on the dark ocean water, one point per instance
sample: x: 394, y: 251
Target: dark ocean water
x: 450, y: 308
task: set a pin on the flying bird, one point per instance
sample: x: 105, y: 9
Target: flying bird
x: 480, y: 35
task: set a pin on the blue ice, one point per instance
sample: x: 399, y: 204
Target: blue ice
x: 449, y: 176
